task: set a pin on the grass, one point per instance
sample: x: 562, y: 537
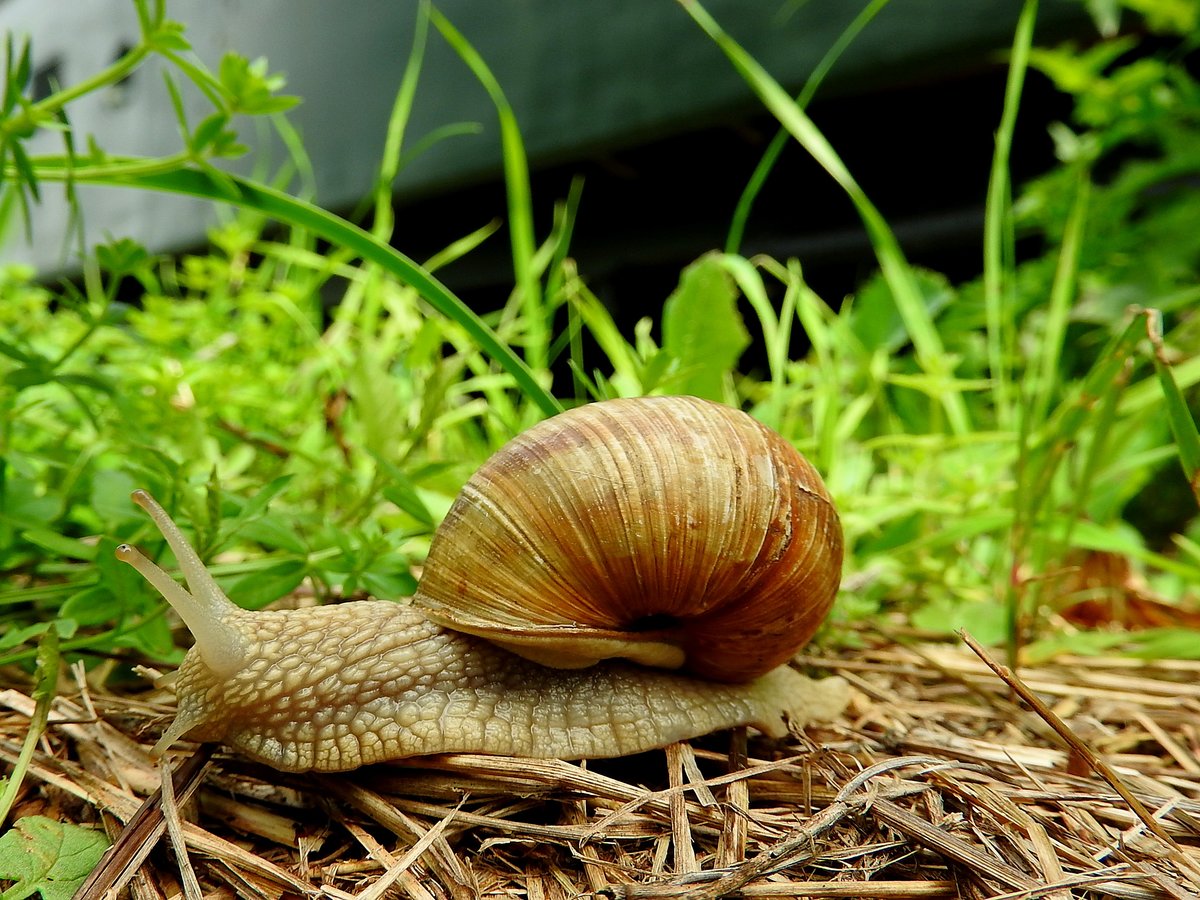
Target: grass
x: 894, y: 378
x: 987, y: 442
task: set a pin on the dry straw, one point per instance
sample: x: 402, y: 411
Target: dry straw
x: 949, y: 777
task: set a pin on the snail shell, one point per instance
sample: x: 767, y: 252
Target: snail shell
x: 672, y: 531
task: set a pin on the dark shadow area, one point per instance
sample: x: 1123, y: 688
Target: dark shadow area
x: 921, y: 151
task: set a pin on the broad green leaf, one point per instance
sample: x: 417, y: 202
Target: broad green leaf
x: 274, y: 532
x: 260, y: 588
x: 703, y: 330
x: 876, y: 318
x: 91, y: 606
x: 51, y: 858
x: 111, y: 490
x: 986, y: 622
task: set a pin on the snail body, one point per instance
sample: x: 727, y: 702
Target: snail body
x: 670, y: 531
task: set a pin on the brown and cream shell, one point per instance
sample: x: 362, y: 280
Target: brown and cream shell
x: 672, y: 531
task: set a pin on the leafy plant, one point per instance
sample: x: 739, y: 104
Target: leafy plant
x: 42, y: 856
x: 984, y: 440
x: 977, y: 436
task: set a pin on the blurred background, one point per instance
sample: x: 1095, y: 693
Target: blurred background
x: 622, y: 93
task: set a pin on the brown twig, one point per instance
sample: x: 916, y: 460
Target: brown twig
x: 1074, y: 741
x: 143, y: 831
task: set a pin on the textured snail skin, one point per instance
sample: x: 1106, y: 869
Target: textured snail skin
x: 336, y: 687
x: 673, y: 531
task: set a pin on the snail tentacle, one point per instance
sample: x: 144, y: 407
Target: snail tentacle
x: 211, y: 617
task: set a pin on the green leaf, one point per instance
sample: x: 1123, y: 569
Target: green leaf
x: 24, y: 166
x: 16, y: 75
x: 389, y: 585
x: 260, y: 588
x: 255, y: 506
x: 1106, y: 16
x: 208, y: 132
x: 103, y: 385
x: 153, y: 638
x: 26, y: 377
x: 276, y: 204
x: 120, y: 580
x: 249, y: 88
x: 516, y: 182
x: 1167, y: 643
x: 169, y: 36
x: 45, y: 681
x: 987, y: 622
x: 1077, y: 643
x: 110, y: 496
x: 14, y: 637
x: 401, y: 491
x: 28, y: 357
x: 1183, y: 426
x: 121, y: 257
x: 58, y: 544
x: 703, y: 330
x: 876, y: 319
x: 275, y: 532
x: 91, y: 606
x: 927, y: 343
x: 51, y: 858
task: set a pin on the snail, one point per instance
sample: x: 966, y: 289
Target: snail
x: 619, y: 577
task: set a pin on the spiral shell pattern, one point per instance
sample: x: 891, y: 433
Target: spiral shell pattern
x: 669, y: 530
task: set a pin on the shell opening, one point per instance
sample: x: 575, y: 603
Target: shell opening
x: 654, y: 622
x: 205, y: 609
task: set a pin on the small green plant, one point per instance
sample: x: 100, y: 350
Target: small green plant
x: 976, y: 435
x: 1016, y: 386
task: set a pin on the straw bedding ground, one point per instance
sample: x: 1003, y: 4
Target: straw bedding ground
x: 937, y: 783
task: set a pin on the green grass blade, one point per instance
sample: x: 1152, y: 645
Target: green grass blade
x: 907, y: 295
x: 1060, y: 433
x: 520, y: 202
x: 745, y: 204
x: 45, y: 681
x: 621, y: 356
x: 1062, y: 296
x: 1042, y: 453
x: 565, y: 216
x: 281, y: 206
x: 389, y: 165
x: 998, y: 223
x: 1183, y: 426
